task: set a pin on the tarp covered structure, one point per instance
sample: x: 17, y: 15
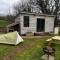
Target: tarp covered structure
x: 11, y: 38
x: 55, y: 39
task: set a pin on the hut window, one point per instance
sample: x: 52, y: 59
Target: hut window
x: 26, y: 21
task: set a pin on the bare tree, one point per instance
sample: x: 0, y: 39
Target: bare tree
x: 22, y: 7
x: 46, y: 6
x: 49, y: 7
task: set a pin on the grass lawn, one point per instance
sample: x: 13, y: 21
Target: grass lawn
x: 30, y: 49
x: 3, y: 23
x: 57, y: 47
x: 4, y: 49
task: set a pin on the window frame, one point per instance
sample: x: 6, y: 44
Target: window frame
x: 25, y: 23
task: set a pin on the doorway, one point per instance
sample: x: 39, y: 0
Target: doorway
x: 40, y: 25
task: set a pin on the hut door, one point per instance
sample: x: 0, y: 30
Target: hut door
x: 40, y: 25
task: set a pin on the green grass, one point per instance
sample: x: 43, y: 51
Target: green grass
x: 4, y: 49
x: 3, y: 23
x: 33, y: 53
x: 59, y: 33
x: 30, y: 53
x: 57, y: 54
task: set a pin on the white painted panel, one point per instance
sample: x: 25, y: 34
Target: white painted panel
x: 32, y: 24
x: 56, y: 30
x: 49, y: 24
x: 17, y: 19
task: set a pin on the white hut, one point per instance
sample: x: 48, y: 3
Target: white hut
x: 33, y: 22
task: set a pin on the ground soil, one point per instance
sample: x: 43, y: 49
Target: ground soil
x: 18, y: 49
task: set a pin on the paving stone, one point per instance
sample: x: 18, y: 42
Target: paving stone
x: 45, y: 57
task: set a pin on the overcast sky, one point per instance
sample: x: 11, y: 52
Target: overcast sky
x: 5, y: 5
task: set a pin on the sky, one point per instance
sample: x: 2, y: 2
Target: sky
x: 6, y: 5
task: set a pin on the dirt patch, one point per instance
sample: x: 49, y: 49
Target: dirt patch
x: 34, y: 36
x: 16, y: 50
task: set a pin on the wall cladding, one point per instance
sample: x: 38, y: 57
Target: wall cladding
x: 49, y: 23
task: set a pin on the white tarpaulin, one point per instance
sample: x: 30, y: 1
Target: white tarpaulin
x: 55, y: 39
x: 11, y: 38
